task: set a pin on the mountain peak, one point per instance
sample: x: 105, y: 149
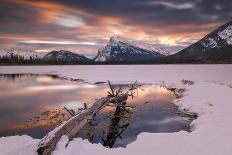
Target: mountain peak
x: 138, y: 43
x: 122, y: 49
x: 118, y: 38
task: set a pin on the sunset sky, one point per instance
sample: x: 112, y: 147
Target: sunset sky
x: 86, y: 25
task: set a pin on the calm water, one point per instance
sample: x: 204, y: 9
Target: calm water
x: 33, y: 105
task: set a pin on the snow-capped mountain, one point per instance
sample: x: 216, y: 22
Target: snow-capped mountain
x: 121, y: 50
x: 65, y: 56
x: 149, y: 47
x: 216, y: 45
x: 21, y: 52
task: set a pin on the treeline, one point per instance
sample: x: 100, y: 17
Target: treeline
x: 216, y: 58
x: 14, y: 59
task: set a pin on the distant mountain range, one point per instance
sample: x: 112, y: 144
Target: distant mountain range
x: 216, y: 47
x: 21, y: 52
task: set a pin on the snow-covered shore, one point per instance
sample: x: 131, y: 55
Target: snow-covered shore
x: 142, y: 73
x: 210, y: 97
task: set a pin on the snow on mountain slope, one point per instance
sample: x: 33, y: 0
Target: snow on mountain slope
x: 221, y: 37
x: 226, y: 34
x: 121, y: 49
x: 215, y: 45
x: 65, y: 55
x: 209, y: 42
x: 141, y: 44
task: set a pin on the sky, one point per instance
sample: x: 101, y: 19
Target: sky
x: 84, y: 26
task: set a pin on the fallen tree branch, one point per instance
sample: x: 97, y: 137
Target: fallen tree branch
x: 75, y: 123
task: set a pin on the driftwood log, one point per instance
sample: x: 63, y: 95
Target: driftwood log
x: 71, y: 127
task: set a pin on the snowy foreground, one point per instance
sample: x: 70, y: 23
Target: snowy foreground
x: 210, y: 97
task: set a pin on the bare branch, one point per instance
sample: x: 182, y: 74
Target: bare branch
x: 111, y: 88
x: 69, y: 111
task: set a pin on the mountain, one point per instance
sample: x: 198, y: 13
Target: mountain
x: 121, y: 50
x: 217, y: 46
x: 65, y: 56
x: 27, y: 54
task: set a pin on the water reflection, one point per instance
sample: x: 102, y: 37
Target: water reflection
x: 115, y: 129
x: 152, y: 111
x: 33, y: 105
x: 23, y: 97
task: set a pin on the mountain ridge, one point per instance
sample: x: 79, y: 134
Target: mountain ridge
x: 215, y: 45
x: 63, y: 55
x: 119, y: 49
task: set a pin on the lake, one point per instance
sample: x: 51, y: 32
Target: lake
x: 33, y: 104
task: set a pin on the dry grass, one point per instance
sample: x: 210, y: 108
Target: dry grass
x: 187, y: 82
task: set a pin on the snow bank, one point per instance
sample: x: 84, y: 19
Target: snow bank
x: 212, y: 132
x: 18, y: 145
x: 210, y: 97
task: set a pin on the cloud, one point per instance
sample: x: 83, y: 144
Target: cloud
x: 172, y: 5
x: 69, y: 21
x: 64, y: 42
x: 86, y: 25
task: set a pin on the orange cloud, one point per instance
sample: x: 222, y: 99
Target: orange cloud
x: 69, y: 23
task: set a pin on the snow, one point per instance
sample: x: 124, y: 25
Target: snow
x: 212, y: 132
x: 226, y: 34
x: 103, y: 55
x: 209, y: 42
x: 18, y: 145
x: 74, y: 105
x: 136, y: 43
x: 125, y: 45
x: 141, y: 73
x: 210, y: 97
x: 62, y: 54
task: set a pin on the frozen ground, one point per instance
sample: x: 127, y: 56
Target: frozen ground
x: 210, y: 97
x: 142, y: 73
